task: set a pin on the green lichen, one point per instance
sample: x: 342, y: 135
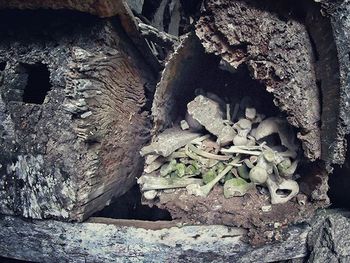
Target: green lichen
x: 236, y: 187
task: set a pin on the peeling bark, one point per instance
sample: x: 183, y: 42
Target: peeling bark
x: 334, y: 69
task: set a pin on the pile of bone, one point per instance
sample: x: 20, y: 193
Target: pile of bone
x: 222, y: 145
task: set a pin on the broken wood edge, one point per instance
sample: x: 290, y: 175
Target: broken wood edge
x: 149, y: 225
x: 109, y: 240
x: 180, y: 66
x: 131, y: 27
x: 101, y: 8
x: 336, y: 10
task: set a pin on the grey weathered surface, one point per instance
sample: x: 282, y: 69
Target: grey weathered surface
x: 335, y: 52
x: 324, y: 239
x: 209, y: 114
x: 169, y: 141
x: 67, y: 157
x: 53, y: 241
x: 329, y: 239
x: 136, y: 5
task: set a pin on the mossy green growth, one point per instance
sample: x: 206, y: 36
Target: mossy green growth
x: 220, y: 167
x: 192, y: 170
x: 209, y: 176
x: 284, y: 165
x: 180, y: 169
x: 228, y: 176
x: 236, y: 187
x: 168, y: 168
x: 196, y: 165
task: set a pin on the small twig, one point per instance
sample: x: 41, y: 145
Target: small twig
x: 198, y: 141
x: 235, y: 111
x: 153, y: 34
x: 237, y: 149
x: 208, y: 155
x: 158, y: 183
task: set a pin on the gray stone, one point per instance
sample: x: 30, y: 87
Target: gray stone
x: 329, y: 238
x: 208, y: 113
x: 169, y: 141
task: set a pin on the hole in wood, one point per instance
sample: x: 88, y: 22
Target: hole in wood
x: 339, y: 182
x: 2, y: 66
x: 129, y: 206
x: 38, y: 83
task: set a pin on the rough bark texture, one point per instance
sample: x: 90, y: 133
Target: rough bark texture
x: 336, y: 65
x: 67, y: 157
x: 53, y: 241
x: 278, y: 52
x: 102, y: 8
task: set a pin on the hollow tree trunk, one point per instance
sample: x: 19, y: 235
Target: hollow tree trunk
x: 67, y: 157
x: 272, y: 41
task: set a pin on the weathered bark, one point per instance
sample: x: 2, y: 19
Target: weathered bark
x: 334, y: 70
x: 102, y: 8
x: 53, y: 241
x: 67, y: 157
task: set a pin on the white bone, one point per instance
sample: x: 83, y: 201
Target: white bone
x: 284, y: 184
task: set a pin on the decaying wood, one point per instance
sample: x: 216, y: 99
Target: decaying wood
x: 179, y: 81
x: 154, y: 35
x: 102, y: 8
x: 277, y: 51
x: 185, y: 67
x: 67, y: 158
x: 53, y: 241
x: 326, y: 238
x: 331, y: 37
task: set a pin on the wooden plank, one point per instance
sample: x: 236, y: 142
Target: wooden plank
x: 112, y: 241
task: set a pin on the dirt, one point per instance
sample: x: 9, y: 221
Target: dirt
x: 246, y: 212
